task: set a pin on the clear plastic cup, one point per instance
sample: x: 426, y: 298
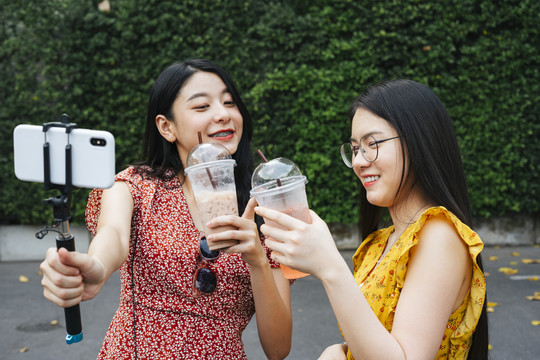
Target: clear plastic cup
x: 210, y: 169
x: 289, y: 198
x: 279, y: 185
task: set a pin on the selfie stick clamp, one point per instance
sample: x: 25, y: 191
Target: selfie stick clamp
x: 61, y: 211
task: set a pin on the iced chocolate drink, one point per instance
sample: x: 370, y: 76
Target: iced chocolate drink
x: 213, y: 204
x: 210, y: 170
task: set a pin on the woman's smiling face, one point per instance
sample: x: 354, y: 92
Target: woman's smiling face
x: 382, y: 177
x: 205, y: 105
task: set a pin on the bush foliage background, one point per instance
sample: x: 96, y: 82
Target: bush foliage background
x: 298, y: 65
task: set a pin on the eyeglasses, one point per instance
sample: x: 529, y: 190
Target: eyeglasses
x: 369, y: 147
x: 204, y: 279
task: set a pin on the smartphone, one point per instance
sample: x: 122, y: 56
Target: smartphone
x: 92, y: 154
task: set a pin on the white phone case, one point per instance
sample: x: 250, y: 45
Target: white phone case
x: 92, y: 152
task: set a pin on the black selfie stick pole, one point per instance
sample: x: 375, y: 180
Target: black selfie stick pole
x: 65, y: 240
x: 61, y: 210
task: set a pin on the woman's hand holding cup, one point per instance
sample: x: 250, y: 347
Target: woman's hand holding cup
x: 305, y: 247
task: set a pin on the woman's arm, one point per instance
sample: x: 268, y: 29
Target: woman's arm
x: 72, y: 277
x: 110, y: 246
x: 437, y: 279
x: 271, y: 291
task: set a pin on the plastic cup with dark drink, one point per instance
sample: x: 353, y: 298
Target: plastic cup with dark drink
x: 278, y: 184
x: 210, y: 169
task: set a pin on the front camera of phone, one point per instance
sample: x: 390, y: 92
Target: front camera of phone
x: 98, y: 142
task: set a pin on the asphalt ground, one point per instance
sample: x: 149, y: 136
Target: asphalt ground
x: 33, y: 328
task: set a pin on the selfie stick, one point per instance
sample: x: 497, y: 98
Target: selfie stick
x: 61, y: 210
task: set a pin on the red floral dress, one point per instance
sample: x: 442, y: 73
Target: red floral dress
x: 159, y: 316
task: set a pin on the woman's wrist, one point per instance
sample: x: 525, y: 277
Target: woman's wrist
x: 259, y: 263
x: 333, y: 273
x: 100, y: 271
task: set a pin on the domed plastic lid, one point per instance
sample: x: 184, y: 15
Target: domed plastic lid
x: 278, y: 168
x: 207, y: 152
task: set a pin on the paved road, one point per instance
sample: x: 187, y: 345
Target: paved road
x: 26, y: 332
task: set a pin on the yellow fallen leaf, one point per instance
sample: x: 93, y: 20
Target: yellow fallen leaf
x: 515, y: 253
x: 490, y: 347
x: 530, y: 261
x: 23, y: 350
x: 514, y: 262
x: 23, y: 279
x: 39, y: 273
x: 534, y: 297
x: 533, y: 278
x: 54, y: 322
x: 508, y: 271
x: 535, y: 322
x: 489, y: 309
x: 493, y: 258
x: 493, y: 304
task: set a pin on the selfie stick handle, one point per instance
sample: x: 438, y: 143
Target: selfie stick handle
x: 61, y: 209
x: 72, y: 314
x: 61, y: 205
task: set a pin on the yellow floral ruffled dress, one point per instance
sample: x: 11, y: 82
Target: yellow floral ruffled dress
x: 382, y: 286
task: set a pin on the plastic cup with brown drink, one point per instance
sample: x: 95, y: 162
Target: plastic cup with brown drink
x: 210, y: 169
x: 278, y: 184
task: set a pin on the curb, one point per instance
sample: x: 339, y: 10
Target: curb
x: 18, y: 242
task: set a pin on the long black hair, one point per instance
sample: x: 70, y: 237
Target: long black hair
x: 435, y: 167
x: 160, y: 157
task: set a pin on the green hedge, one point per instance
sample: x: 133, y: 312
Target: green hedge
x: 298, y: 65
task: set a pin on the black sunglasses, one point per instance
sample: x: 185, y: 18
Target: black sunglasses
x: 204, y: 279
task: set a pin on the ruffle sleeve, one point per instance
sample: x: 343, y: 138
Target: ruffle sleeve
x: 93, y: 206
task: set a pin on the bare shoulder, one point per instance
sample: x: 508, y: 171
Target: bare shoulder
x: 119, y: 191
x: 439, y: 231
x: 440, y: 243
